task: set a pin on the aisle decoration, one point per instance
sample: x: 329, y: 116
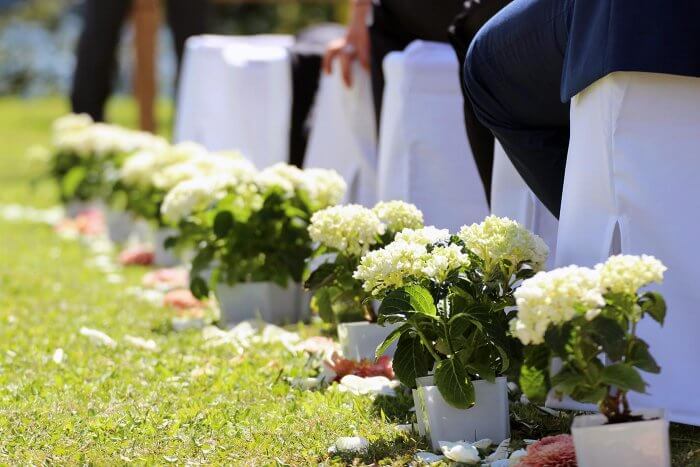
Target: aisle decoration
x: 248, y: 231
x: 452, y: 297
x: 85, y: 157
x: 343, y: 235
x: 585, y: 317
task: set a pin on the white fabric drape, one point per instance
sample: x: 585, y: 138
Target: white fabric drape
x: 235, y: 93
x: 424, y: 155
x: 632, y: 167
x: 343, y: 133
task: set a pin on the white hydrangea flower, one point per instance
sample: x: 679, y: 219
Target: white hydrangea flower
x: 350, y: 229
x: 404, y: 261
x: 500, y: 238
x: 71, y: 122
x: 555, y: 297
x: 192, y: 195
x: 324, y: 188
x: 286, y: 177
x: 398, y: 215
x: 442, y: 260
x: 424, y: 236
x: 629, y: 273
x: 149, y: 168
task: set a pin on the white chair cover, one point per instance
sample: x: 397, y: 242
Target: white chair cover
x: 424, y: 155
x: 235, y: 93
x: 511, y: 197
x: 633, y: 163
x: 343, y: 133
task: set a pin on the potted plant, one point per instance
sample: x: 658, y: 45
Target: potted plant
x: 452, y: 298
x: 85, y: 158
x: 147, y: 176
x: 252, y: 242
x: 343, y: 234
x: 579, y: 316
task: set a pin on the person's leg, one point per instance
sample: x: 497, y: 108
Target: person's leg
x: 186, y: 18
x: 96, y: 61
x: 512, y: 75
x: 461, y: 34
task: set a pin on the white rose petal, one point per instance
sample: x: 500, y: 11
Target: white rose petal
x: 98, y: 337
x: 462, y: 452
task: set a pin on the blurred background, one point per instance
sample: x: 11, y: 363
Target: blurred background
x: 38, y: 40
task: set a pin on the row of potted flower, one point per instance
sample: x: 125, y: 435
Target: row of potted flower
x: 461, y: 313
x: 468, y: 312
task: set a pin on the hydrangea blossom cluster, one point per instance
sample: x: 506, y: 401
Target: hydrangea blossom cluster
x: 322, y: 187
x: 555, y: 297
x: 499, y: 238
x: 350, y: 229
x: 408, y: 259
x: 398, y: 215
x: 79, y: 135
x: 629, y: 273
x: 145, y: 167
x: 192, y: 195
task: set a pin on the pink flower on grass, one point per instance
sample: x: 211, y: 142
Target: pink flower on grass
x: 552, y: 451
x: 136, y: 256
x: 182, y: 299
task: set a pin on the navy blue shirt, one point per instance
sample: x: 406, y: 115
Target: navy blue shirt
x: 658, y: 36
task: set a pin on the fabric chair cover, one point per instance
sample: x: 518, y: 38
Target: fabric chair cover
x: 343, y: 134
x: 229, y: 86
x: 424, y: 155
x: 511, y: 197
x: 632, y: 173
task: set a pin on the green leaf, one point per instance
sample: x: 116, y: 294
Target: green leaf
x: 324, y: 304
x: 641, y: 357
x: 534, y: 373
x: 199, y: 287
x: 72, y: 180
x: 323, y: 275
x: 223, y: 223
x: 623, y: 376
x: 566, y: 381
x: 533, y: 383
x: 421, y: 299
x: 411, y: 360
x: 202, y: 259
x: 557, y: 338
x: 453, y: 382
x: 390, y: 339
x: 411, y: 298
x: 654, y: 305
x: 608, y: 333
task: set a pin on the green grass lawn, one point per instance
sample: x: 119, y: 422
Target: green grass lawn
x: 183, y: 404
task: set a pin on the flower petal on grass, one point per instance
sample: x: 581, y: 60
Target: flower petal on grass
x: 98, y: 337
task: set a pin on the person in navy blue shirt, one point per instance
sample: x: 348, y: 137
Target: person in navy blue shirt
x: 527, y: 62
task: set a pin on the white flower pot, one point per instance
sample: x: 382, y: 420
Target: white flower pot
x: 263, y: 300
x: 162, y: 257
x: 119, y: 225
x: 359, y: 341
x: 439, y: 421
x: 632, y: 444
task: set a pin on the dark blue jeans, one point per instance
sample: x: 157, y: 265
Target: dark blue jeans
x: 513, y: 76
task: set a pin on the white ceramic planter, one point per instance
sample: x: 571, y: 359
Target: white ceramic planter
x: 439, y: 421
x: 359, y: 341
x: 119, y: 225
x: 162, y: 257
x: 263, y: 300
x: 632, y: 444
